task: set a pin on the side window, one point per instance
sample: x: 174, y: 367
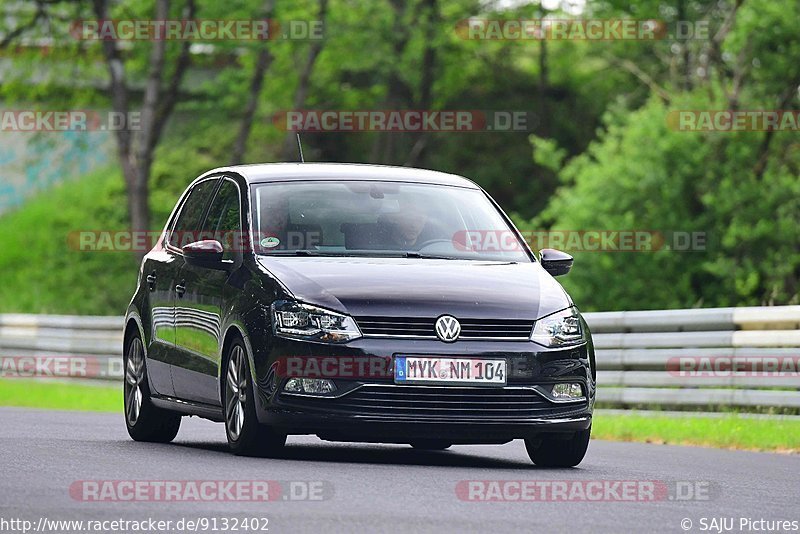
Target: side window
x: 187, y: 227
x: 224, y: 221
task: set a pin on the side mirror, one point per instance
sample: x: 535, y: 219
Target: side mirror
x: 206, y: 254
x: 555, y: 262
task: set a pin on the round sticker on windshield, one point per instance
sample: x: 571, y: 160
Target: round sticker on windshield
x: 270, y: 242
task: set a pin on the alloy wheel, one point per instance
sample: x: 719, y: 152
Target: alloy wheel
x: 134, y: 376
x: 236, y: 393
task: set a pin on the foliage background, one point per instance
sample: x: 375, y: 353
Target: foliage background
x: 600, y: 156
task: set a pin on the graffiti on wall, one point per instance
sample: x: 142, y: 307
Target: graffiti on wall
x: 32, y: 162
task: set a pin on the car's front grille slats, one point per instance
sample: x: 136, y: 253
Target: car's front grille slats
x: 447, y: 402
x: 476, y: 329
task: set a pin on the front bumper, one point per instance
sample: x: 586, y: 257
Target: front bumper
x: 373, y: 408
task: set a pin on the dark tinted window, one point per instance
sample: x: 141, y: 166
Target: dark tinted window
x: 374, y: 218
x: 187, y: 227
x: 223, y: 222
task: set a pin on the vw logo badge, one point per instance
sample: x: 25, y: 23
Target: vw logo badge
x: 448, y: 328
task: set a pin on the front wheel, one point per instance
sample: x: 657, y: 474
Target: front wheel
x: 551, y: 452
x: 144, y: 421
x: 246, y: 436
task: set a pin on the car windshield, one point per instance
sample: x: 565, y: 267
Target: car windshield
x: 375, y: 218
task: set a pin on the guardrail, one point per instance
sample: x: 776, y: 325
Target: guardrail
x: 686, y: 358
x: 667, y: 358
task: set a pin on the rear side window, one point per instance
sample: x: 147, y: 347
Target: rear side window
x: 187, y: 227
x: 224, y: 221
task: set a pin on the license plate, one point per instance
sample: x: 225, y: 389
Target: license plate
x: 425, y: 369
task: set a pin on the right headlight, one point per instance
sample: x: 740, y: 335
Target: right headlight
x: 560, y: 329
x: 302, y: 321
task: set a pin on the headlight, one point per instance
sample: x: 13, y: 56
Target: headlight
x: 301, y: 321
x: 560, y: 329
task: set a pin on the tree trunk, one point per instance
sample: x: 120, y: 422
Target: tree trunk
x: 544, y: 112
x: 289, y: 149
x: 420, y: 139
x: 135, y: 149
x: 240, y: 144
x: 263, y: 61
x: 397, y: 92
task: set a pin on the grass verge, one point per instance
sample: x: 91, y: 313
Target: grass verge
x: 726, y: 432
x: 60, y: 395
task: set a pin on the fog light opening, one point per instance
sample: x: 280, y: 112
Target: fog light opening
x: 567, y: 391
x: 312, y: 386
x: 294, y: 385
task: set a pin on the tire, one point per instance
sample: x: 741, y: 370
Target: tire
x: 551, y: 452
x: 145, y: 422
x: 246, y: 436
x: 431, y: 444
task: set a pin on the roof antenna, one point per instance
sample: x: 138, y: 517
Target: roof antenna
x: 300, y: 148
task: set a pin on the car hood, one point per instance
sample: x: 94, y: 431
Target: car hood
x: 401, y: 287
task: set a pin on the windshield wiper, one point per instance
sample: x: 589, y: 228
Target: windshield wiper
x: 359, y: 254
x: 335, y: 253
x: 420, y: 255
x: 298, y: 252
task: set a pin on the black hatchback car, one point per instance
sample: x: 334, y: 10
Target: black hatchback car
x: 356, y: 303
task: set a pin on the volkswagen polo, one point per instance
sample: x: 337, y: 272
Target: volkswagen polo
x: 356, y: 303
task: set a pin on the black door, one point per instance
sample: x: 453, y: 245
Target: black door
x: 198, y: 311
x: 161, y: 274
x: 161, y: 270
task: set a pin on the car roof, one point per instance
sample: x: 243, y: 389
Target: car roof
x: 288, y: 172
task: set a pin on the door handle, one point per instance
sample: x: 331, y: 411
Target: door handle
x: 180, y: 289
x: 151, y: 281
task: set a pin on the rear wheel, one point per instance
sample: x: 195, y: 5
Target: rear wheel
x: 551, y: 452
x: 246, y: 436
x: 431, y: 444
x: 144, y: 421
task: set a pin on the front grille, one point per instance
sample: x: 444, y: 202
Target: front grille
x: 471, y: 329
x: 441, y: 402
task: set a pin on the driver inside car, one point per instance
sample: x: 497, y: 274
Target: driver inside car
x: 408, y: 228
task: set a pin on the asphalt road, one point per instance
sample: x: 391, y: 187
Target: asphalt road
x: 376, y: 488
